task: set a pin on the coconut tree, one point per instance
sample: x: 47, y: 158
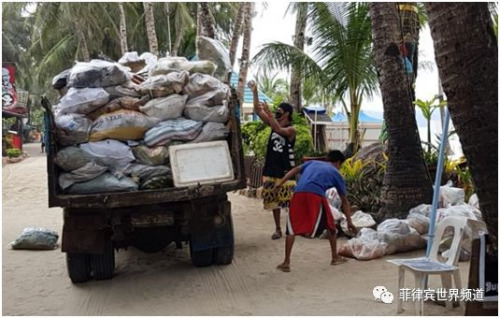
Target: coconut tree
x: 245, y: 53
x: 465, y: 44
x: 236, y: 33
x: 406, y: 181
x: 123, y: 29
x: 207, y: 20
x: 272, y: 85
x: 150, y: 27
x: 300, y: 8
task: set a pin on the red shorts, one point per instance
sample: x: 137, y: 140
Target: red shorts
x: 309, y: 214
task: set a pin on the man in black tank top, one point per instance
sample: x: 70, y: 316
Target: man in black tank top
x: 279, y: 157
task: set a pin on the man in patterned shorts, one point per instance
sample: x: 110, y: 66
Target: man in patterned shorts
x: 279, y: 157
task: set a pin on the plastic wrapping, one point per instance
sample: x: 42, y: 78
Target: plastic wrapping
x: 36, y: 238
x: 110, y: 153
x: 474, y: 201
x: 126, y: 102
x: 335, y: 203
x: 164, y: 85
x: 449, y: 196
x: 129, y: 89
x: 121, y: 125
x: 133, y: 61
x: 144, y: 172
x: 213, y: 50
x: 168, y: 65
x: 399, y: 236
x: 88, y: 172
x: 200, y: 84
x: 180, y: 129
x: 422, y: 209
x: 72, y: 129
x: 211, y: 98
x: 150, y: 156
x: 419, y: 222
x: 170, y: 107
x: 366, y: 246
x: 71, y: 158
x: 360, y: 220
x: 61, y: 80
x: 212, y: 132
x: 104, y: 183
x: 97, y: 73
x: 82, y: 100
x: 217, y: 114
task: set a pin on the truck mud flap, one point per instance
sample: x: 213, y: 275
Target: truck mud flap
x: 213, y: 229
x: 84, y: 234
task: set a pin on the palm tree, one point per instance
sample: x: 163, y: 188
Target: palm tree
x: 406, y: 182
x: 245, y: 53
x: 150, y: 27
x: 236, y: 33
x: 299, y: 39
x: 123, y: 29
x: 207, y: 20
x: 183, y: 21
x: 465, y: 43
x: 271, y: 85
x: 342, y: 61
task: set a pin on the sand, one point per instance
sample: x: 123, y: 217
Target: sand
x: 165, y: 283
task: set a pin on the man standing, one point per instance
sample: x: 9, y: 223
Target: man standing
x: 279, y: 157
x: 309, y: 210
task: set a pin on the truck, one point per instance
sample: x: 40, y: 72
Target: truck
x: 97, y: 225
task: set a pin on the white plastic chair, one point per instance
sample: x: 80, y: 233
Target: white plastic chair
x: 422, y: 267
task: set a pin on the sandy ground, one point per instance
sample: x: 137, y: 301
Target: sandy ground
x: 36, y: 283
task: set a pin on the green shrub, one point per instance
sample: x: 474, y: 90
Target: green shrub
x: 13, y: 152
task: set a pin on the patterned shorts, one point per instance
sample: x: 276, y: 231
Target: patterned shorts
x: 280, y: 199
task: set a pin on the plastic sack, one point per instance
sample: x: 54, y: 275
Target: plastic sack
x: 82, y: 100
x: 450, y: 196
x: 126, y: 102
x: 167, y: 65
x: 200, y: 84
x: 212, y: 132
x: 36, y: 238
x: 136, y: 170
x: 88, y: 172
x: 97, y: 73
x: 170, y: 107
x: 211, y: 98
x: 217, y: 114
x: 419, y: 222
x: 71, y: 158
x: 150, y: 156
x: 110, y: 153
x: 129, y: 89
x: 399, y: 236
x: 366, y: 246
x: 474, y: 201
x: 180, y: 129
x: 335, y: 203
x: 61, y: 80
x: 121, y: 125
x: 422, y: 209
x: 213, y: 50
x: 202, y: 67
x: 105, y: 183
x: 461, y: 210
x: 72, y: 129
x: 164, y: 85
x: 133, y: 61
x: 161, y: 182
x: 360, y: 220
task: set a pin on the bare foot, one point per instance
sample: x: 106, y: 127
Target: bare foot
x: 284, y: 267
x: 276, y: 235
x: 339, y: 260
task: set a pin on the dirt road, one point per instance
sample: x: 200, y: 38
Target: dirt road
x: 36, y: 283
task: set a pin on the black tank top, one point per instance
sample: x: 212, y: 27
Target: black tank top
x: 280, y: 157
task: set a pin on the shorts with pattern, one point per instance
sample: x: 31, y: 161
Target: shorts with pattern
x: 277, y: 199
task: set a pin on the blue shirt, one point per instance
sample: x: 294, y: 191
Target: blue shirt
x: 319, y: 176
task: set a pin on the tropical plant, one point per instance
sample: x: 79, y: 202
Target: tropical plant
x: 245, y: 53
x: 465, y: 181
x: 13, y: 152
x: 271, y: 85
x: 427, y: 108
x: 352, y: 169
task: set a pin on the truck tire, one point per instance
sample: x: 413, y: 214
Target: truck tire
x: 78, y: 265
x: 103, y: 265
x: 201, y: 258
x: 224, y: 255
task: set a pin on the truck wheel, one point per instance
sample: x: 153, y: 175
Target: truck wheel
x: 224, y: 255
x: 103, y: 265
x: 201, y: 258
x: 78, y: 267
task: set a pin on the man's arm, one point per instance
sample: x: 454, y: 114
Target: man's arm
x: 346, y: 208
x: 257, y: 108
x: 290, y: 174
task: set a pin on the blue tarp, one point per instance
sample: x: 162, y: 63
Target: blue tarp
x: 363, y: 118
x: 315, y: 108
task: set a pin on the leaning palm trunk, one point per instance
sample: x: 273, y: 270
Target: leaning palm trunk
x: 207, y: 20
x: 467, y: 57
x: 245, y: 54
x: 82, y: 41
x: 123, y: 29
x: 235, y: 39
x: 178, y: 40
x: 296, y: 76
x: 406, y: 182
x: 150, y: 27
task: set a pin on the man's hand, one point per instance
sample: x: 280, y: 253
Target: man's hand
x: 265, y: 107
x: 352, y: 228
x: 253, y: 86
x: 277, y: 186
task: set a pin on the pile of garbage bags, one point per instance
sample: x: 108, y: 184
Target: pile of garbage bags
x: 114, y: 128
x: 403, y: 235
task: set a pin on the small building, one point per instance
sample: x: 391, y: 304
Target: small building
x: 246, y: 112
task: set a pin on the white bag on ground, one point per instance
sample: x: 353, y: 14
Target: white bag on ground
x: 88, y: 172
x: 419, y: 222
x: 335, y: 203
x: 474, y: 201
x: 212, y: 132
x: 200, y: 84
x: 71, y: 158
x: 103, y: 184
x: 450, y: 196
x: 399, y: 236
x: 110, y: 153
x: 164, y: 85
x: 122, y: 125
x: 72, y: 129
x: 422, y: 209
x: 170, y: 107
x: 213, y: 50
x: 366, y: 246
x: 36, y: 238
x: 360, y: 220
x: 97, y: 73
x: 82, y: 100
x: 150, y: 156
x: 217, y: 114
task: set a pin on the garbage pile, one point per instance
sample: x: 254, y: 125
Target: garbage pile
x: 114, y: 127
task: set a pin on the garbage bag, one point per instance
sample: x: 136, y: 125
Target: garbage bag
x: 126, y: 102
x: 97, y: 73
x: 450, y: 196
x: 461, y: 210
x: 201, y: 67
x: 72, y: 129
x: 180, y: 129
x: 104, y: 183
x: 71, y: 158
x: 213, y: 50
x: 200, y: 84
x: 422, y: 209
x: 35, y: 238
x: 474, y: 201
x: 170, y: 107
x: 133, y: 61
x: 335, y: 203
x: 142, y: 172
x: 217, y: 114
x: 121, y: 125
x: 161, y: 182
x: 360, y: 220
x: 129, y: 89
x: 366, y: 246
x: 212, y: 98
x: 212, y: 132
x: 88, y: 172
x: 82, y: 100
x: 399, y: 236
x: 164, y: 85
x: 168, y: 65
x: 110, y: 153
x: 150, y: 156
x: 419, y: 222
x: 61, y: 80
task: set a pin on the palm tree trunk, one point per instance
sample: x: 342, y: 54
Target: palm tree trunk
x: 207, y: 20
x: 150, y: 28
x: 199, y: 25
x: 296, y: 76
x: 178, y: 40
x: 81, y: 39
x: 406, y: 182
x: 245, y: 54
x: 123, y: 29
x: 236, y: 33
x: 465, y: 44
